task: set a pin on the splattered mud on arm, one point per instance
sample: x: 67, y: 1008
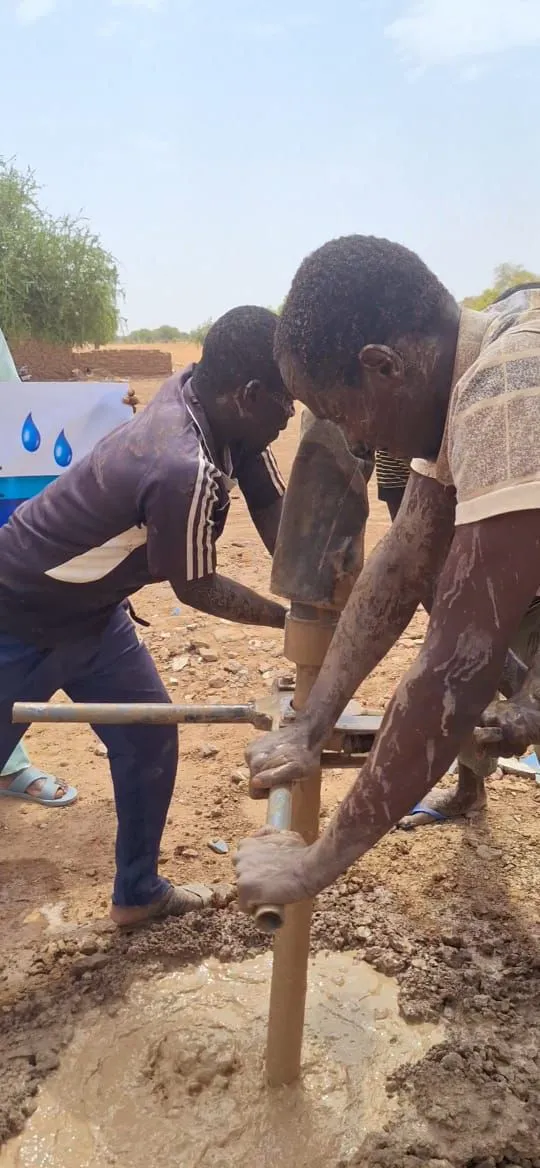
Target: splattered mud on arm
x: 483, y: 592
x: 517, y: 722
x: 398, y: 575
x: 220, y: 596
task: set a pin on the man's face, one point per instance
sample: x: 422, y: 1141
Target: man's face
x: 368, y: 413
x: 263, y: 413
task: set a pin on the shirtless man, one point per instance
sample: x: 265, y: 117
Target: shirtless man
x: 370, y: 339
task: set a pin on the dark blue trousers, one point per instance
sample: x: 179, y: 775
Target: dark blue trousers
x: 110, y: 667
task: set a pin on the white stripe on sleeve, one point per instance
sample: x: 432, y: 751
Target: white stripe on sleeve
x: 190, y: 539
x: 273, y: 471
x: 203, y: 530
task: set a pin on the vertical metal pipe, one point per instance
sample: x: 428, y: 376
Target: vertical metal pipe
x: 291, y: 946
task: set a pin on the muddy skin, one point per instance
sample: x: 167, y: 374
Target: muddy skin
x: 397, y: 577
x: 480, y: 598
x: 467, y: 797
x: 517, y: 720
x: 219, y: 596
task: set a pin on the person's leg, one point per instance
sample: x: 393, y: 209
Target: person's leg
x: 26, y: 674
x: 393, y: 497
x: 469, y: 796
x: 18, y: 761
x: 143, y: 761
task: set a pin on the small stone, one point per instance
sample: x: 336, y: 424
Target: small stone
x: 239, y: 777
x: 219, y: 846
x: 207, y: 750
x: 232, y: 667
x: 47, y: 1061
x: 35, y: 916
x: 230, y: 634
x: 208, y: 656
x: 452, y: 1061
x: 173, y: 681
x: 101, y: 750
x: 223, y: 895
x: 186, y: 853
x: 88, y: 965
x: 486, y: 853
x: 179, y: 663
x: 88, y: 946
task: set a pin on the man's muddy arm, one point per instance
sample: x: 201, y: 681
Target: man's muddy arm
x: 219, y: 596
x: 399, y: 574
x: 481, y: 597
x: 267, y: 523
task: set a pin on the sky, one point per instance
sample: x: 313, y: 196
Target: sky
x: 213, y: 143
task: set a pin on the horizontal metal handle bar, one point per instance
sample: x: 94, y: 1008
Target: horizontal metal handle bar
x: 123, y: 713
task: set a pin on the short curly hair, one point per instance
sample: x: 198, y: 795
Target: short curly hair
x: 238, y: 348
x: 355, y: 291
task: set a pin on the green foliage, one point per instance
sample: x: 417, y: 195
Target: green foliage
x: 57, y: 282
x: 145, y: 336
x: 198, y: 334
x: 505, y: 276
x: 167, y: 332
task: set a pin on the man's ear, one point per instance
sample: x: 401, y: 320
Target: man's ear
x: 251, y: 390
x: 245, y: 397
x: 381, y: 361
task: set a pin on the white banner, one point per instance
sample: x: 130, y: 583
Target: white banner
x: 46, y: 426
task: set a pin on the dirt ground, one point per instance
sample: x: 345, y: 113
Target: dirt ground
x: 182, y: 352
x: 451, y: 912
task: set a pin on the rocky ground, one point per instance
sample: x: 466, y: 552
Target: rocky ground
x: 451, y: 912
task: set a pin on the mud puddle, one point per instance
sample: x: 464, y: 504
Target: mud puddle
x: 174, y: 1077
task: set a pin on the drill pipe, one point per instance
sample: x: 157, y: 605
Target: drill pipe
x: 146, y: 713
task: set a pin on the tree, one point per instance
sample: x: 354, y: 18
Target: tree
x: 167, y: 332
x: 505, y: 276
x: 198, y: 334
x: 57, y: 282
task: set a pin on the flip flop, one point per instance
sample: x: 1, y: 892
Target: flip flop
x: 419, y: 809
x: 18, y: 789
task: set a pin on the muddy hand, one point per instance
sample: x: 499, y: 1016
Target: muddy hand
x: 514, y: 726
x: 270, y: 869
x: 131, y: 399
x: 281, y: 758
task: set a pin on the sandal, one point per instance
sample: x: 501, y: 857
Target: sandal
x: 18, y: 789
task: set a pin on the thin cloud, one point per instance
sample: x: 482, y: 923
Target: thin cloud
x: 262, y: 30
x: 29, y: 11
x: 266, y: 30
x: 109, y: 28
x: 149, y: 5
x: 436, y: 32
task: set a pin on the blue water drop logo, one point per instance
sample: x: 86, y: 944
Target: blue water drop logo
x: 30, y: 435
x: 62, y: 450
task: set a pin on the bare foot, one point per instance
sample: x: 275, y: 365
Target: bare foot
x: 36, y: 787
x: 179, y: 899
x: 449, y: 803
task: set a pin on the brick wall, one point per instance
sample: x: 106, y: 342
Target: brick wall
x: 45, y: 362
x: 124, y: 363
